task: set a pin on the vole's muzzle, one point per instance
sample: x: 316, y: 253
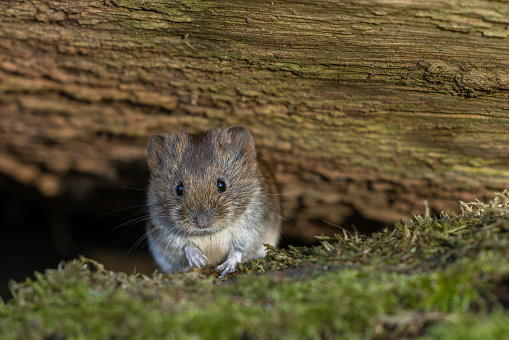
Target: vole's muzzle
x: 203, y: 220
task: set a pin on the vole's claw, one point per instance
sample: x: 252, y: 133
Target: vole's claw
x: 227, y: 266
x: 234, y: 257
x: 223, y: 268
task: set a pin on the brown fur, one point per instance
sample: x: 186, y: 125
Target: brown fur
x: 241, y: 218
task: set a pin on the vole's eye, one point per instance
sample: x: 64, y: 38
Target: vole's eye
x: 180, y: 190
x: 221, y: 186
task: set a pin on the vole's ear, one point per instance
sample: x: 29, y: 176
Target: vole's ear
x: 242, y: 137
x: 157, y: 147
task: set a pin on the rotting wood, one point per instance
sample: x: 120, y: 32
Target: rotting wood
x: 364, y: 108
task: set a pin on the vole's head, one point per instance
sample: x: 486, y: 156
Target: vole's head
x: 200, y: 183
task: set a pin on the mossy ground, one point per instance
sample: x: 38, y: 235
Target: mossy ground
x: 441, y: 277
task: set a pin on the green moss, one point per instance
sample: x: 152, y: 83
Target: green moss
x: 494, y: 327
x: 443, y: 271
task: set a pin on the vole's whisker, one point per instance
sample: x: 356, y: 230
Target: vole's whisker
x: 122, y: 209
x: 136, y: 244
x: 140, y: 189
x: 287, y: 220
x: 132, y: 222
x: 133, y: 214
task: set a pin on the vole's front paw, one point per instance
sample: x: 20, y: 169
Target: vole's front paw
x: 195, y: 256
x: 227, y: 266
x: 234, y: 257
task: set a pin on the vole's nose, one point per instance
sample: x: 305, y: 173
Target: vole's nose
x: 202, y: 220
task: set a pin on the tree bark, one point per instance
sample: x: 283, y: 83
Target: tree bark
x: 363, y: 108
